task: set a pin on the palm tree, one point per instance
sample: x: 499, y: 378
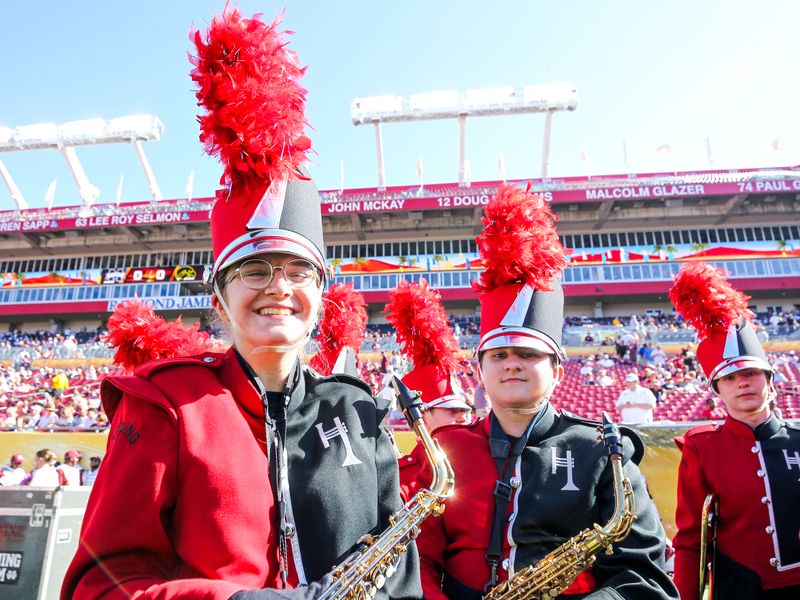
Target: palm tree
x: 402, y: 260
x: 335, y: 263
x: 699, y: 247
x: 783, y: 245
x: 360, y: 263
x: 438, y: 259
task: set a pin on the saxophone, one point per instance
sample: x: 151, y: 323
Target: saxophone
x: 555, y: 572
x: 364, y: 572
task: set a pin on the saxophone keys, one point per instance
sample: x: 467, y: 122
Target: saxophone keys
x: 379, y: 580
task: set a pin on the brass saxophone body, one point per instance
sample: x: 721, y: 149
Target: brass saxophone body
x: 555, y: 572
x: 364, y: 572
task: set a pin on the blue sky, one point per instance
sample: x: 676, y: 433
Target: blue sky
x: 648, y: 74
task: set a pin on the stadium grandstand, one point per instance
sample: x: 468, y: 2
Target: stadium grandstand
x: 68, y: 267
x: 65, y: 269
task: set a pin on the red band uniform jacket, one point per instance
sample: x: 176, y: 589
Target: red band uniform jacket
x: 756, y: 476
x: 563, y: 485
x: 184, y: 506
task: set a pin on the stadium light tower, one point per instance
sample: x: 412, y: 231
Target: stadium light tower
x: 133, y: 129
x: 547, y: 98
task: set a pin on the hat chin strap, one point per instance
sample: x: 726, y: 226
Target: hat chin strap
x: 532, y: 410
x: 286, y: 347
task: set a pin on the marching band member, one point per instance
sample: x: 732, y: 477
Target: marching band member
x: 750, y: 463
x: 230, y: 472
x: 529, y: 477
x: 415, y: 311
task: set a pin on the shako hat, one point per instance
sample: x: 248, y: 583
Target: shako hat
x: 249, y: 83
x: 719, y: 313
x: 522, y: 303
x: 341, y: 330
x: 415, y: 311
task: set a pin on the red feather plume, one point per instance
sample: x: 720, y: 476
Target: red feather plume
x: 519, y: 243
x: 249, y: 83
x: 343, y: 324
x: 416, y: 312
x: 139, y: 336
x: 706, y: 299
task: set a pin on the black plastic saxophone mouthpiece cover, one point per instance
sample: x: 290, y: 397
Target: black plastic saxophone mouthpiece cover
x: 410, y: 402
x: 611, y: 436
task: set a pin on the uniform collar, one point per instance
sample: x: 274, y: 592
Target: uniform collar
x: 768, y: 428
x: 490, y: 425
x: 243, y: 388
x: 764, y: 431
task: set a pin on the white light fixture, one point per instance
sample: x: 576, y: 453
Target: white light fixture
x: 132, y: 129
x: 546, y: 98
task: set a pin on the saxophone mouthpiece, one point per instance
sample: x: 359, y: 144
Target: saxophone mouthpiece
x: 611, y: 435
x: 410, y: 401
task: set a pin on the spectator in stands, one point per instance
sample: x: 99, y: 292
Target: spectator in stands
x: 44, y: 473
x: 645, y: 354
x: 90, y: 474
x: 67, y: 418
x: 88, y: 417
x: 194, y: 501
x: 71, y: 467
x: 604, y: 379
x: 631, y: 340
x: 90, y: 374
x: 9, y: 421
x: 711, y: 410
x: 587, y: 371
x: 469, y: 397
x: 636, y: 403
x: 59, y: 383
x: 657, y: 357
x: 621, y: 348
x: 692, y: 383
x: 745, y: 462
x: 482, y: 402
x: 773, y: 406
x: 13, y: 473
x: 606, y: 361
x: 48, y: 418
x: 668, y: 384
x: 689, y: 359
x: 102, y: 421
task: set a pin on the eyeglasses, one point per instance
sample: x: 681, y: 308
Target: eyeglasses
x: 257, y: 274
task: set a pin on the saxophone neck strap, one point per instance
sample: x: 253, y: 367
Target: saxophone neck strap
x: 504, y: 451
x: 275, y: 416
